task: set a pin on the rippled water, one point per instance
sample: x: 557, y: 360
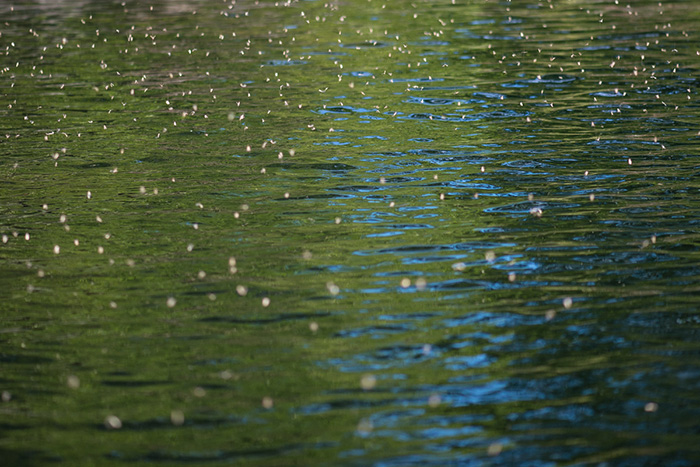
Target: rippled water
x: 349, y: 233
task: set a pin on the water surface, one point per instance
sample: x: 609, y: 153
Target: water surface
x: 349, y: 233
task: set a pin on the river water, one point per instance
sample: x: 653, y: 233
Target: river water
x: 349, y: 233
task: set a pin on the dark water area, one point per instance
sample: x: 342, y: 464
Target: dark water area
x: 349, y: 233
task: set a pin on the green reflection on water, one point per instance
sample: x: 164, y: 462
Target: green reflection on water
x: 394, y: 237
